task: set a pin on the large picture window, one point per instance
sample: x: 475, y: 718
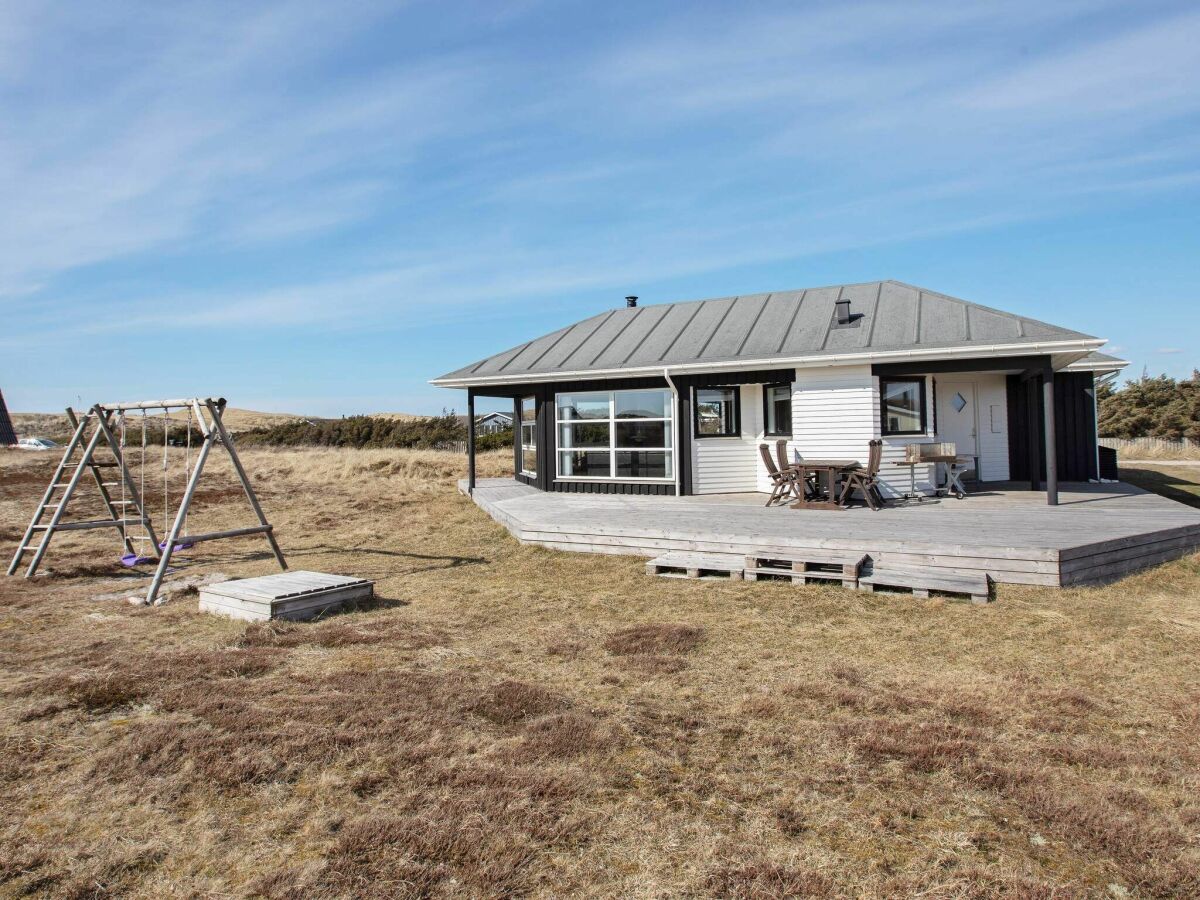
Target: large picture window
x: 777, y: 410
x: 717, y: 412
x: 614, y: 434
x: 528, y: 436
x: 902, y: 405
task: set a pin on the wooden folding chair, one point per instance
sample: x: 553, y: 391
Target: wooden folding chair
x: 808, y: 478
x: 867, y: 479
x: 783, y: 484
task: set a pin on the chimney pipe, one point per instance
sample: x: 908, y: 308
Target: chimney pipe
x: 631, y: 301
x: 843, y: 312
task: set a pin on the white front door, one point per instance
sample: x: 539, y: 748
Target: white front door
x: 958, y: 417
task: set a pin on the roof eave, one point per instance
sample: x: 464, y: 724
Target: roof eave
x: 970, y: 351
x: 1108, y: 365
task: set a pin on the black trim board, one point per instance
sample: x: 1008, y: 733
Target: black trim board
x: 944, y: 366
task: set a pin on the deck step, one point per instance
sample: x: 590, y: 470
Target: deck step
x: 808, y: 566
x: 921, y: 581
x: 695, y: 565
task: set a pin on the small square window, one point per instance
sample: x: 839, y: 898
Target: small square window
x: 902, y: 405
x: 717, y: 412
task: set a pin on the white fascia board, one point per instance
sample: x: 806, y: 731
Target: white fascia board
x: 1112, y: 365
x: 971, y: 351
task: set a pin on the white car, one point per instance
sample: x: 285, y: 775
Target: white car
x: 36, y: 444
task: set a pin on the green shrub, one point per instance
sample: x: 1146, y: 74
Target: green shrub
x: 1158, y: 407
x: 372, y: 432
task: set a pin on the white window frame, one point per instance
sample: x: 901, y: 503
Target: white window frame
x: 612, y: 421
x: 532, y: 425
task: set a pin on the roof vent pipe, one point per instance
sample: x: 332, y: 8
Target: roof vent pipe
x: 631, y: 301
x: 843, y: 312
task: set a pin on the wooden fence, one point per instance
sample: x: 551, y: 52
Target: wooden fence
x: 454, y: 446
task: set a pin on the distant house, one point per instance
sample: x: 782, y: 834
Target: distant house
x: 675, y: 398
x: 494, y: 422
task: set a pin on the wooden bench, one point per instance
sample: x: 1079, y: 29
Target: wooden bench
x: 806, y: 566
x: 694, y: 565
x: 922, y: 581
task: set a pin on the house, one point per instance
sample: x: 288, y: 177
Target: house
x: 493, y: 422
x: 674, y: 398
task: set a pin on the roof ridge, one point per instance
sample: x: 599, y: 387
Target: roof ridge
x: 829, y: 322
x: 721, y: 321
x: 620, y: 331
x: 787, y: 332
x: 679, y: 334
x: 754, y: 324
x: 645, y: 337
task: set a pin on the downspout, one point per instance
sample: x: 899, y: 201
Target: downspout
x: 675, y: 428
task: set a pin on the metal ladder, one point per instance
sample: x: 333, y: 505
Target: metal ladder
x: 57, y: 506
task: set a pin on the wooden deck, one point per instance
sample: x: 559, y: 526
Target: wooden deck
x: 1098, y: 533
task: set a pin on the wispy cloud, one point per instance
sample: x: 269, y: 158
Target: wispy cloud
x: 280, y: 169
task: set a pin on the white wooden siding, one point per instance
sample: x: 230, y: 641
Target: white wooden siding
x: 835, y: 413
x: 730, y: 465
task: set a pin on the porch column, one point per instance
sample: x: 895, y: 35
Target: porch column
x: 1051, y: 443
x: 470, y: 440
x: 1033, y: 428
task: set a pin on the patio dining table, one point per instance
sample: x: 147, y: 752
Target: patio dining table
x: 827, y: 486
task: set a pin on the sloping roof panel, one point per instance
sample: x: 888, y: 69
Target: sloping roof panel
x: 785, y: 325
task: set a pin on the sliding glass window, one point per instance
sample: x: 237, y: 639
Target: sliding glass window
x: 615, y: 434
x: 528, y: 436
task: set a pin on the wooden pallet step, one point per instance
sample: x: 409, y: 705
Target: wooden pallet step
x: 921, y: 582
x: 694, y: 565
x: 808, y: 565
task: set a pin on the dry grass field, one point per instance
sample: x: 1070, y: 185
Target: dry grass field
x: 507, y: 720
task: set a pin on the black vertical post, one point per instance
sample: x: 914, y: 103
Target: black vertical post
x: 683, y: 425
x: 516, y: 437
x: 1051, y: 443
x: 470, y: 440
x: 1034, y: 429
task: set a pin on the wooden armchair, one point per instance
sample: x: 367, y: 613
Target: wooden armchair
x: 866, y: 479
x: 783, y: 483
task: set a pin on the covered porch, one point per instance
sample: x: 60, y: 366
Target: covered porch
x: 1096, y: 532
x: 1027, y: 420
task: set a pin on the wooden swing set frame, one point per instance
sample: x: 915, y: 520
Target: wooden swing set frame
x: 101, y: 416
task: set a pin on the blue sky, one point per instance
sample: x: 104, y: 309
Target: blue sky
x: 316, y: 207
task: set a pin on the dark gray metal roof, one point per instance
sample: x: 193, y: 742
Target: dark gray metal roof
x: 784, y: 325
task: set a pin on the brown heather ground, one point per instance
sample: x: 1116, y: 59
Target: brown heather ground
x: 509, y: 720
